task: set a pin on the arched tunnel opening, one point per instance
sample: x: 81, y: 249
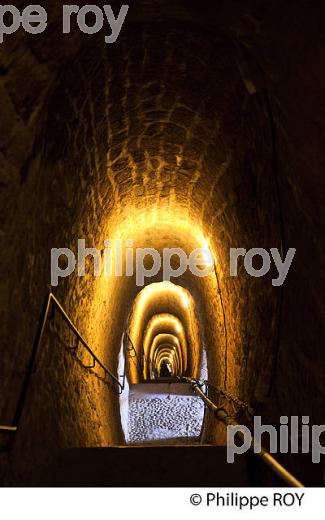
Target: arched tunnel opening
x: 163, y: 322
x: 163, y: 142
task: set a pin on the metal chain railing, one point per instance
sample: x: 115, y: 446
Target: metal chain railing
x: 239, y: 404
x: 222, y: 415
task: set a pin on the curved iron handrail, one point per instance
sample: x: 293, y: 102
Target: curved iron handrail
x: 51, y: 299
x: 80, y: 338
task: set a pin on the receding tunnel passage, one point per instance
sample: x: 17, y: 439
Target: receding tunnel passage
x: 163, y: 315
x: 183, y: 135
x: 165, y: 336
x: 165, y: 162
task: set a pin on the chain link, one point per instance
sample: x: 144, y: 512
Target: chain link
x: 234, y: 400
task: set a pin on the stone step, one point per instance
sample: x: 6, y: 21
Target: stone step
x: 144, y: 390
x: 173, y: 441
x: 148, y: 466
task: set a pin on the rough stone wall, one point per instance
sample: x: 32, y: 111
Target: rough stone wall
x: 289, y: 62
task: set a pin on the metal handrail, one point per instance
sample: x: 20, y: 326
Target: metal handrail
x: 51, y: 299
x: 107, y: 372
x: 144, y: 358
x: 263, y: 454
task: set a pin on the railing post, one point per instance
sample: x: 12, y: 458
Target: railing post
x: 31, y: 364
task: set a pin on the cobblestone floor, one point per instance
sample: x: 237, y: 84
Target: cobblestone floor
x: 165, y: 417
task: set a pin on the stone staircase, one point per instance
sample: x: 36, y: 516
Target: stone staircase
x: 165, y: 420
x: 164, y: 450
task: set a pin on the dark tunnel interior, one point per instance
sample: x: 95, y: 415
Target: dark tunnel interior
x: 200, y: 128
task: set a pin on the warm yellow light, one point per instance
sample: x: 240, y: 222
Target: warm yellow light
x: 163, y: 289
x: 178, y: 328
x: 185, y: 301
x: 127, y: 232
x: 206, y: 254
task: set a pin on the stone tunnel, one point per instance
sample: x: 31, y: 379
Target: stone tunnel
x: 200, y: 127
